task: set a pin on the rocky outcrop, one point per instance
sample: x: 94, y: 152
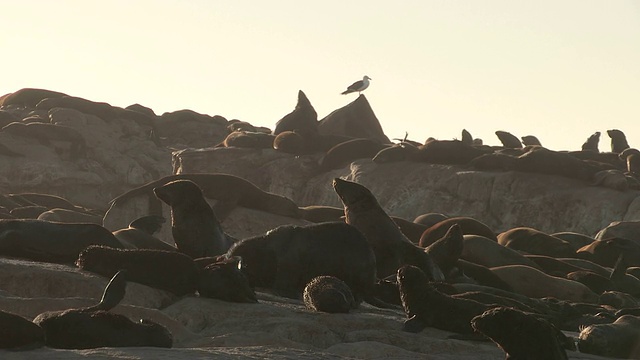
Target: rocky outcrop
x: 356, y: 120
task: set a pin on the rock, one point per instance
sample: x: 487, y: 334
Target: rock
x: 355, y: 120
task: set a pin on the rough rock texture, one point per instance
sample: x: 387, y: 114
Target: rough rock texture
x: 502, y: 200
x: 140, y: 141
x: 356, y: 119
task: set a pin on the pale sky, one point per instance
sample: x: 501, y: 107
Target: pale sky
x: 557, y: 69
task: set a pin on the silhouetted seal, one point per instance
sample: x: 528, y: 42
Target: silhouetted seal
x: 619, y: 339
x: 632, y: 158
x: 508, y: 140
x: 391, y: 247
x: 591, y: 144
x: 446, y: 251
x: 286, y: 258
x: 196, y: 230
x: 46, y: 241
x: 530, y: 140
x: 18, y: 333
x: 328, y: 294
x: 425, y: 306
x: 467, y: 225
x: 139, y: 234
x: 618, y: 141
x: 225, y: 281
x: 95, y: 326
x: 520, y: 335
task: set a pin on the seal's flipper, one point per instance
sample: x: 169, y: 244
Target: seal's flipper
x: 113, y: 292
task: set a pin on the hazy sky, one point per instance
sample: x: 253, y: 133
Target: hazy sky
x: 557, y: 69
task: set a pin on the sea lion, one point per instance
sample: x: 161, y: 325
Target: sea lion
x: 18, y: 333
x: 521, y: 335
x: 508, y: 140
x: 535, y: 242
x: 46, y: 200
x: 553, y: 266
x: 166, y: 270
x: 535, y: 283
x: 196, y: 230
x: 286, y: 258
x: 591, y: 144
x: 467, y: 225
x: 429, y: 219
x: 530, y: 140
x: 41, y: 240
x: 303, y: 117
x: 70, y: 216
x: 618, y: 299
x: 481, y: 275
x: 391, y: 247
x: 618, y: 141
x: 612, y: 179
x: 576, y: 240
x: 425, y: 306
x: 225, y: 281
x: 597, y: 283
x: 246, y: 139
x: 466, y: 137
x: 606, y: 252
x: 411, y: 230
x: 544, y: 161
x: 290, y: 142
x: 632, y: 158
x: 348, y: 151
x: 139, y: 234
x: 51, y: 132
x: 446, y: 251
x: 321, y: 213
x: 328, y: 294
x: 619, y: 339
x: 447, y: 152
x: 95, y: 326
x: 483, y: 251
x: 494, y: 162
x: 395, y: 153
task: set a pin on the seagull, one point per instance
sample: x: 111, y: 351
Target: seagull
x: 358, y: 86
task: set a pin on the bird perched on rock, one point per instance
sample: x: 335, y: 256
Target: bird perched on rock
x: 358, y: 86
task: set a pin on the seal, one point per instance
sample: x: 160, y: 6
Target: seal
x: 248, y: 139
x: 196, y: 230
x: 425, y: 306
x: 328, y: 294
x: 391, y: 247
x: 28, y: 212
x: 321, y: 213
x: 619, y: 339
x: 618, y: 141
x: 466, y: 137
x: 483, y: 251
x: 536, y: 284
x: 544, y: 161
x: 597, y: 283
x: 576, y: 240
x: 530, y: 140
x: 348, y: 151
x: 95, y: 326
x: 70, y: 216
x: 553, y: 266
x: 467, y: 225
x: 535, y: 242
x: 286, y: 258
x: 100, y: 109
x: 225, y: 281
x: 290, y: 142
x: 521, y: 335
x: 49, y: 241
x: 632, y: 157
x: 606, y: 252
x: 18, y: 333
x: 508, y: 140
x: 446, y: 251
x: 139, y: 234
x: 429, y: 219
x: 447, y: 152
x: 618, y: 299
x: 591, y: 144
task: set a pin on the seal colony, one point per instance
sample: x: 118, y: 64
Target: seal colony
x: 460, y: 278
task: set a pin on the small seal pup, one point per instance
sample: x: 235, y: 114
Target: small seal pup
x: 196, y: 230
x: 521, y: 335
x: 95, y: 326
x: 391, y: 247
x: 328, y: 294
x: 425, y: 306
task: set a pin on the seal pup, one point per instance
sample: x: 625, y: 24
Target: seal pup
x: 328, y: 294
x: 95, y: 326
x: 619, y: 339
x: 286, y: 258
x: 425, y: 306
x: 521, y: 335
x: 391, y: 247
x: 195, y: 228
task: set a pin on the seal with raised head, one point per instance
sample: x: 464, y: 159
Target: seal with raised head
x: 530, y: 140
x: 391, y: 247
x: 619, y: 339
x: 508, y: 140
x: 591, y: 144
x: 618, y: 141
x: 95, y: 326
x: 286, y: 258
x: 328, y: 294
x: 425, y: 306
x: 196, y: 230
x: 521, y: 335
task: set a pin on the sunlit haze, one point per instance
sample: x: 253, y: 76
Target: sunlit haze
x: 560, y: 70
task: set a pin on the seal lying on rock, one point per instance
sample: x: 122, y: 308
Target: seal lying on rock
x: 46, y: 241
x: 286, y: 258
x: 17, y: 332
x: 619, y: 339
x: 95, y: 326
x: 520, y: 335
x: 139, y: 234
x: 196, y: 230
x: 391, y: 247
x: 224, y: 280
x: 328, y: 294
